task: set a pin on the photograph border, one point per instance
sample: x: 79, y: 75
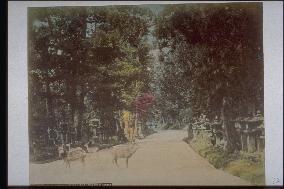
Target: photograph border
x: 18, y: 158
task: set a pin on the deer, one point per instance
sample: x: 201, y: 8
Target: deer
x: 60, y: 149
x: 86, y: 146
x: 123, y: 151
x: 74, y: 154
x: 78, y: 153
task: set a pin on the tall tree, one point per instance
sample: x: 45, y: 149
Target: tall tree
x: 218, y: 48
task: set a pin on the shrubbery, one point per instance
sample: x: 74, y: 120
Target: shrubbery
x: 248, y: 166
x: 148, y: 131
x: 170, y: 126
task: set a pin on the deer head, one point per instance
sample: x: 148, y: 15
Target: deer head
x: 134, y: 147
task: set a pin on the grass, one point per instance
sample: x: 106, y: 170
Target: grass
x: 248, y: 166
x: 253, y: 172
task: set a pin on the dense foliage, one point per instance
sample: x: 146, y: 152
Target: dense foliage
x: 85, y: 63
x: 114, y: 66
x: 213, y: 61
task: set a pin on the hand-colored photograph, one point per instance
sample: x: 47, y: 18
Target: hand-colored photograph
x: 150, y: 94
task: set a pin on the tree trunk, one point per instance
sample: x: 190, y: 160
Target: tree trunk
x: 180, y: 123
x: 48, y: 102
x: 189, y: 132
x: 76, y: 89
x: 49, y: 107
x: 76, y: 122
x: 228, y: 128
x: 136, y: 126
x: 142, y: 128
x: 77, y: 116
x: 162, y: 120
x: 253, y: 109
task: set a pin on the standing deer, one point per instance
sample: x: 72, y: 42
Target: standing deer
x: 123, y: 151
x: 60, y: 149
x: 74, y: 154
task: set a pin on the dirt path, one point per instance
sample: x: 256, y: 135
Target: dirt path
x: 162, y: 159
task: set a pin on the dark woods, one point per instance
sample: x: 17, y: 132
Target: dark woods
x: 86, y: 68
x: 101, y: 74
x: 213, y: 62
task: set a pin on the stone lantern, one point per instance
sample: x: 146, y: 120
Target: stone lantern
x: 251, y: 131
x: 217, y: 130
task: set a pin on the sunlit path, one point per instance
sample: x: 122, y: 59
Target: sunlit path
x: 163, y: 159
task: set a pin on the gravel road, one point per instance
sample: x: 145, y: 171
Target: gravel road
x: 162, y: 159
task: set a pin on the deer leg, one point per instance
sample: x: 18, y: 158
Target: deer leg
x: 83, y: 161
x: 126, y: 162
x: 115, y: 160
x: 65, y: 163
